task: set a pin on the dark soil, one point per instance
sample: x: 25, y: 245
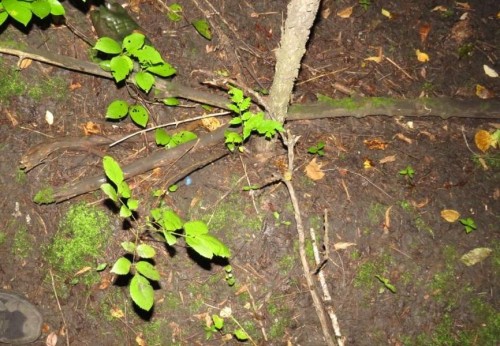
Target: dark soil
x: 393, y: 221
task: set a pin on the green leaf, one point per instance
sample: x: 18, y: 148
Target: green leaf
x: 236, y: 121
x: 133, y: 204
x: 139, y: 115
x: 144, y: 81
x: 207, y: 245
x: 148, y: 270
x: 41, y: 8
x: 3, y: 17
x: 183, y: 137
x: 142, y: 292
x: 169, y: 238
x: 128, y: 246
x: 171, y: 101
x: 121, y: 266
x: 145, y: 251
x: 125, y: 211
x: 386, y: 283
x: 236, y: 95
x: 148, y: 56
x: 218, y: 321
x: 121, y: 66
x: 203, y: 28
x: 101, y: 267
x: 110, y: 191
x: 19, y: 10
x: 56, y: 9
x: 133, y: 42
x: 105, y: 65
x: 174, y: 12
x: 195, y: 228
x: 124, y: 190
x: 117, y: 109
x: 162, y: 70
x: 167, y: 218
x: 112, y: 170
x: 173, y: 188
x: 240, y: 334
x: 108, y: 45
x: 162, y: 137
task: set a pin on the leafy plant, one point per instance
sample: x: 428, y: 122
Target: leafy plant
x: 218, y: 324
x: 174, y: 12
x: 163, y: 220
x: 365, y: 4
x: 407, y: 172
x: 318, y: 149
x: 469, y: 224
x: 250, y: 122
x: 23, y: 11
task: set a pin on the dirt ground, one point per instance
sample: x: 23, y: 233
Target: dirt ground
x: 380, y: 222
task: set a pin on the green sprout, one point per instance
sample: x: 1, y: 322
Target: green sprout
x: 469, y: 224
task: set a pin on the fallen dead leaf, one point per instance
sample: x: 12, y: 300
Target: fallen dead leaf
x: 461, y: 31
x: 440, y: 9
x: 368, y: 164
x: 375, y: 144
x: 51, y: 339
x: 74, y: 86
x: 24, y: 63
x: 419, y: 205
x: 378, y: 59
x: 475, y: 256
x: 483, y: 140
x: 313, y: 170
x: 386, y: 13
x: 346, y: 12
x: 387, y: 220
x: 423, y: 31
x: 463, y: 6
x: 139, y: 339
x: 387, y: 159
x: 91, y: 128
x: 450, y: 215
x: 403, y: 138
x: 484, y: 93
x: 211, y: 124
x: 342, y: 245
x: 490, y: 72
x: 105, y: 283
x: 45, y: 328
x: 429, y: 135
x: 421, y: 56
x: 116, y: 312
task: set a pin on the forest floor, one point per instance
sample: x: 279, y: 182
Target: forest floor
x: 394, y: 266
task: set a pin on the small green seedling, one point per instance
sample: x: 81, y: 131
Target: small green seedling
x: 229, y: 275
x: 318, y: 149
x: 218, y: 324
x: 365, y: 4
x: 278, y: 221
x: 387, y: 283
x: 469, y: 224
x: 408, y: 172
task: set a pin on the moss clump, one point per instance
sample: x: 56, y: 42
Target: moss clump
x: 44, y: 196
x: 80, y: 239
x: 23, y: 243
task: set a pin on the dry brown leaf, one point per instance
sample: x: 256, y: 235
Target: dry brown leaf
x: 116, y: 312
x: 139, y: 339
x: 419, y: 205
x: 46, y: 328
x: 463, y: 6
x: 490, y: 72
x: 24, y: 63
x: 429, y: 135
x: 421, y: 56
x: 313, y: 170
x: 105, y: 283
x: 483, y: 92
x: 211, y: 124
x: 475, y: 256
x: 483, y: 140
x: 387, y: 221
x: 403, y: 138
x: 440, y: 9
x: 423, y: 31
x: 376, y: 144
x: 51, y: 339
x: 346, y: 12
x: 368, y: 164
x: 386, y: 13
x: 91, y: 128
x: 450, y: 215
x: 342, y: 245
x: 387, y: 159
x: 74, y: 86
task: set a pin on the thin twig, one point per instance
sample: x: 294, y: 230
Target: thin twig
x: 290, y: 141
x: 66, y: 332
x: 175, y: 123
x: 399, y: 68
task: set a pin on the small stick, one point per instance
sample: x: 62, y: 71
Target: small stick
x: 59, y: 306
x: 399, y: 68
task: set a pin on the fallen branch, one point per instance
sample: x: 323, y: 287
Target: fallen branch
x: 205, y: 150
